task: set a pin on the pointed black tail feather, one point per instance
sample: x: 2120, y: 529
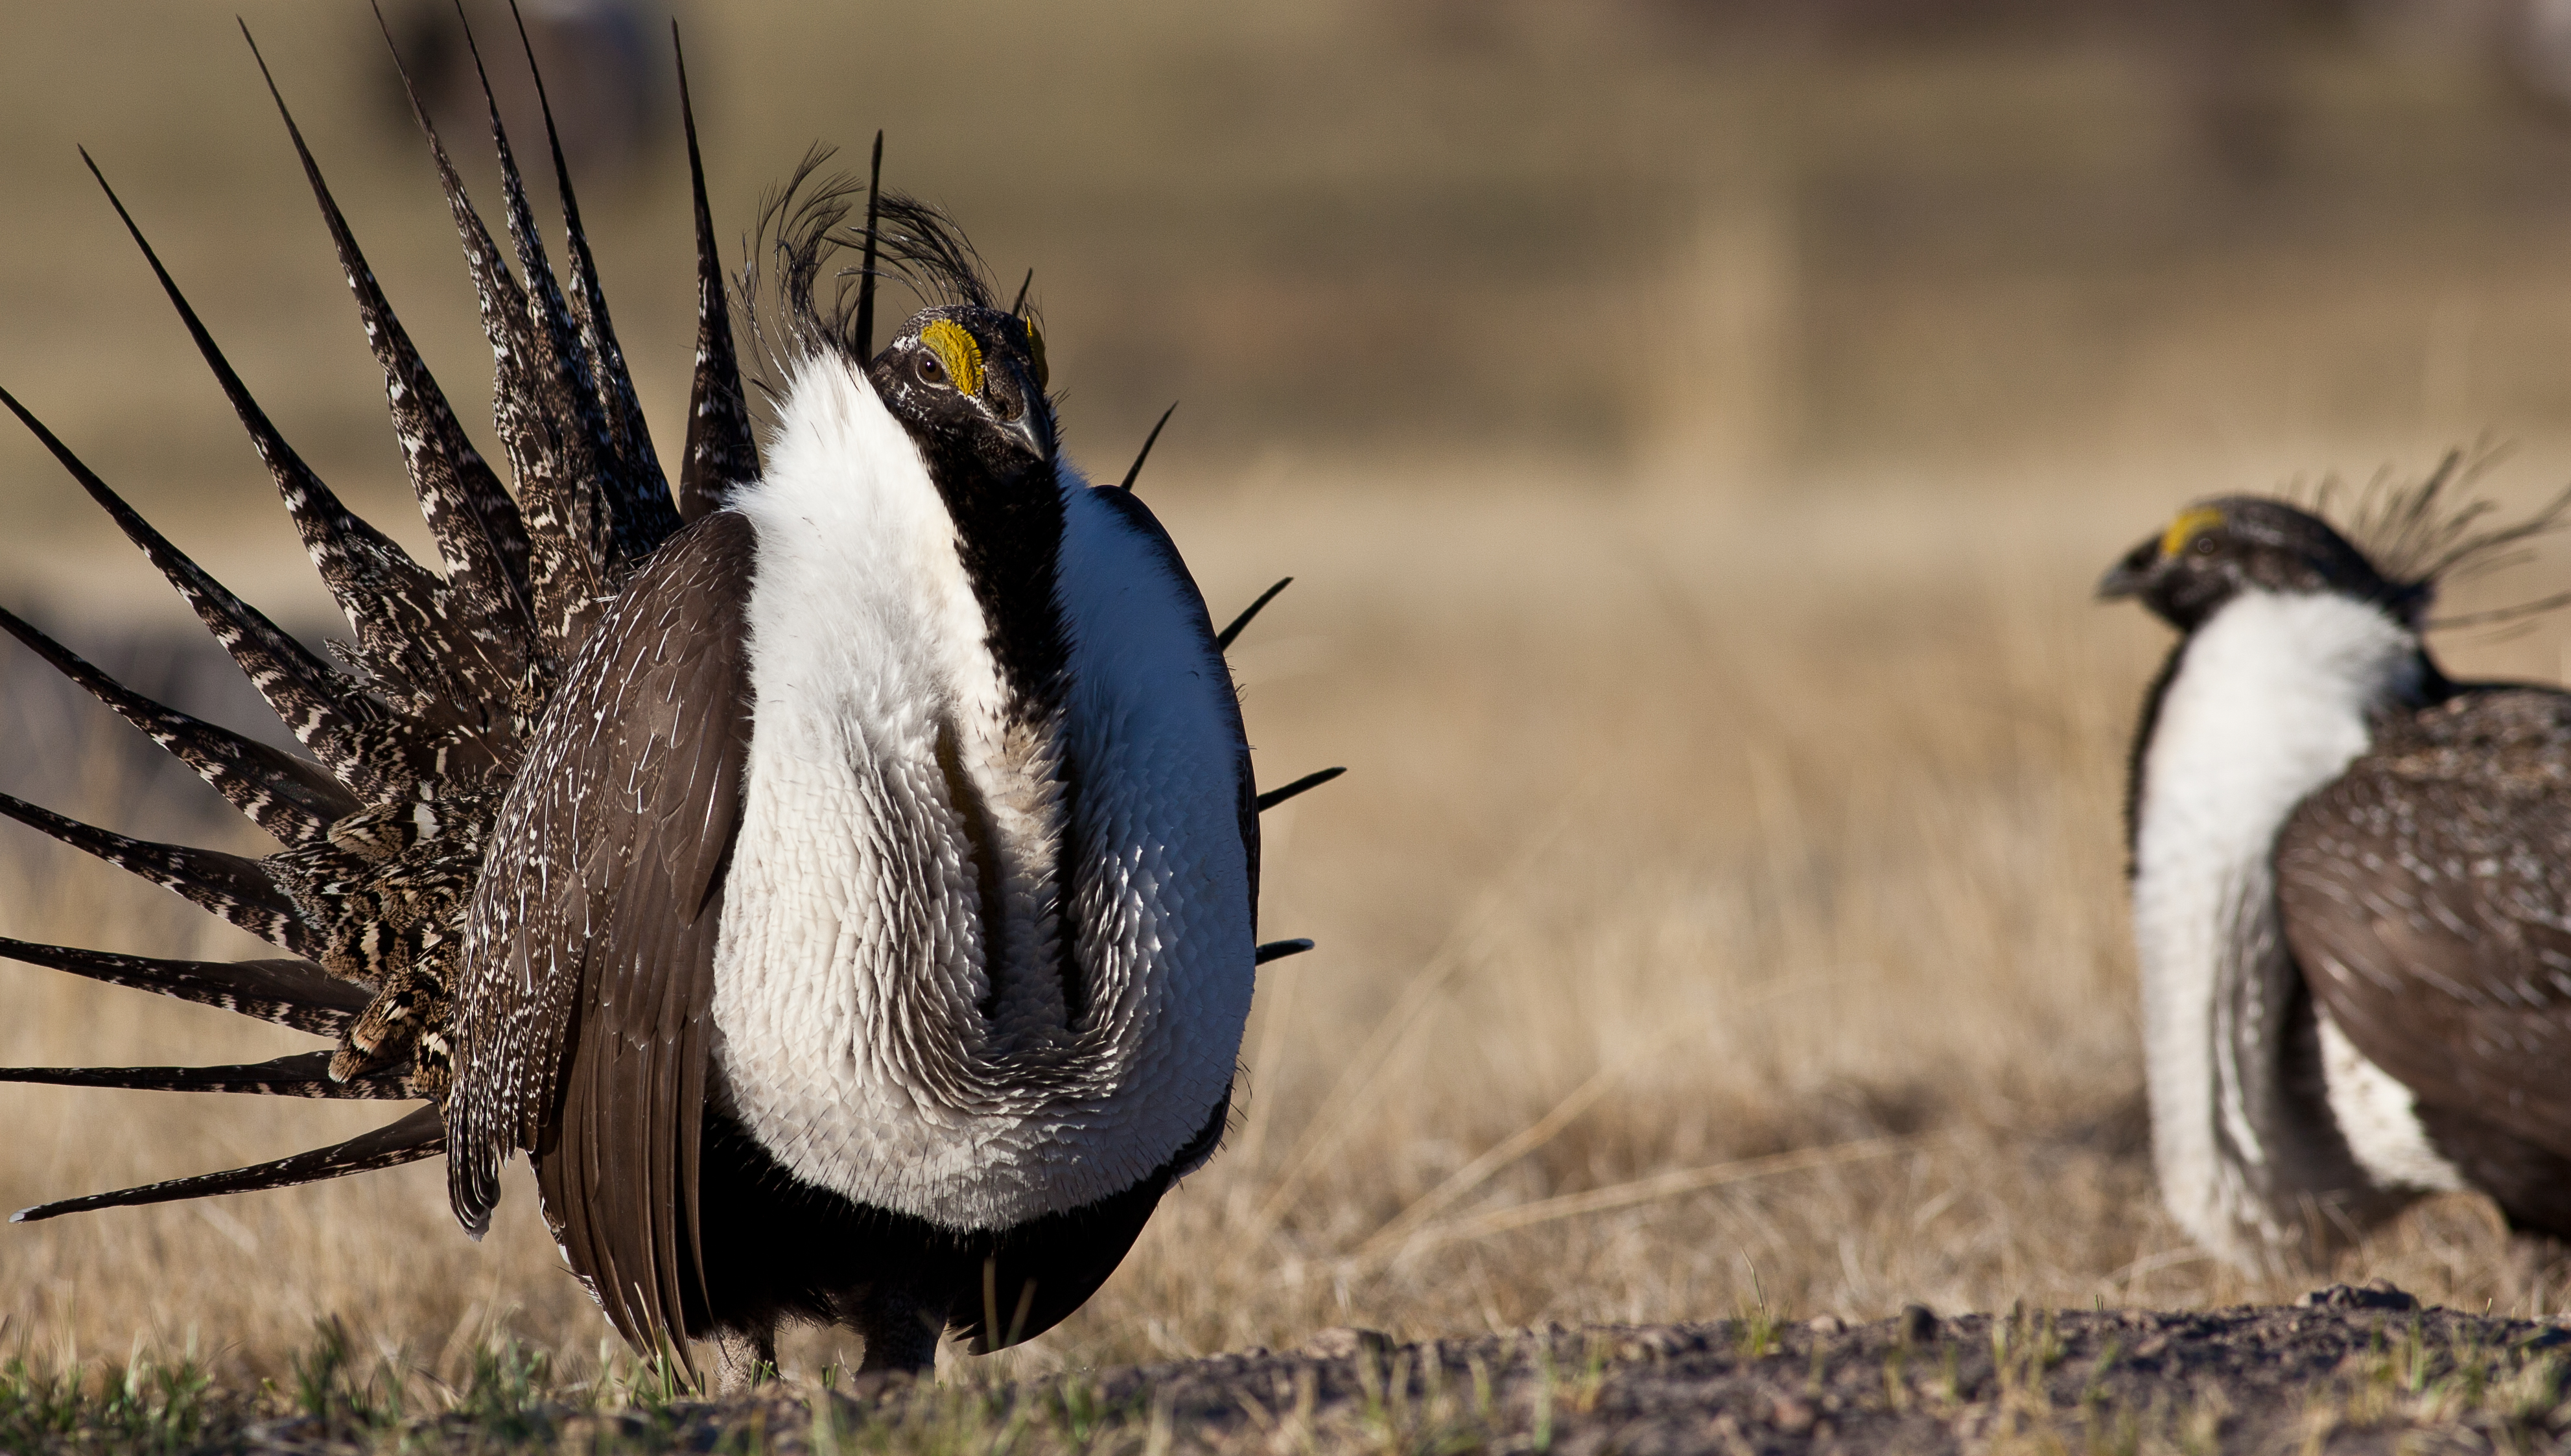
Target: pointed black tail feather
x: 422, y: 1134
x: 1278, y: 950
x: 281, y: 793
x: 1314, y: 779
x: 356, y: 740
x: 239, y: 890
x: 1223, y: 640
x: 644, y: 514
x: 1135, y: 470
x: 481, y: 541
x: 396, y: 608
x: 297, y: 994
x: 305, y: 1074
x: 722, y: 453
x: 866, y: 335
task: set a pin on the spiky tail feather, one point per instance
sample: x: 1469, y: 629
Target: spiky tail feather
x: 420, y: 1135
x: 384, y: 833
x: 305, y: 1074
x: 297, y: 994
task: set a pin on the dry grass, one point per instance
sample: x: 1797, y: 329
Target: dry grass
x: 1688, y: 823
x: 1686, y: 834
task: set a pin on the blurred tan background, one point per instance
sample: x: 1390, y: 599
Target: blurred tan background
x: 1693, y: 427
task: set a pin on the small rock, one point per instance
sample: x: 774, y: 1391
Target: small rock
x: 1792, y: 1416
x: 1650, y: 1344
x: 1917, y: 1324
x: 2379, y: 1294
x: 1827, y: 1325
x: 1341, y: 1342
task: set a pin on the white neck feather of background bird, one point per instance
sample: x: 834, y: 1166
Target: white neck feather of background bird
x: 850, y: 981
x: 2270, y: 701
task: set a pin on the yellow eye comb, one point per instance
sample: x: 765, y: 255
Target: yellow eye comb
x: 955, y: 348
x: 2183, y: 529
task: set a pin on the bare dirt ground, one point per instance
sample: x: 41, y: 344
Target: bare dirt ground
x: 2348, y: 1371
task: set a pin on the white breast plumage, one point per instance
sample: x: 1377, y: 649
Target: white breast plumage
x: 2269, y: 704
x: 849, y: 979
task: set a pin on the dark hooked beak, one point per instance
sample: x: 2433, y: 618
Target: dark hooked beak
x: 1033, y: 433
x: 1033, y: 428
x: 2128, y: 578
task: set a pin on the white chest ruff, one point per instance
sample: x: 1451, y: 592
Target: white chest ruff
x: 850, y: 1040
x: 2269, y: 704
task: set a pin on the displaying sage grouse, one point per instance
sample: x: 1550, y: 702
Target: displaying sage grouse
x: 2351, y: 882
x: 840, y: 879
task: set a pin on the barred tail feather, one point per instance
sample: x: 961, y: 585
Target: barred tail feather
x: 356, y: 740
x: 239, y: 890
x: 305, y: 1074
x: 297, y: 994
x: 420, y: 1135
x: 722, y: 453
x: 481, y: 541
x: 560, y: 582
x: 281, y: 794
x: 564, y: 393
x: 395, y: 606
x: 639, y: 492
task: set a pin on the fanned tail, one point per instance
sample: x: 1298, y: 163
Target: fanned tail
x: 481, y: 541
x: 297, y: 994
x: 397, y: 609
x: 422, y: 1134
x: 417, y: 739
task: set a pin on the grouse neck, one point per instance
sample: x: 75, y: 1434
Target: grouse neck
x: 893, y: 1023
x: 2266, y: 701
x: 1008, y: 539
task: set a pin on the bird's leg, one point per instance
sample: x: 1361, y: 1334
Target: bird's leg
x: 900, y: 1332
x: 743, y: 1359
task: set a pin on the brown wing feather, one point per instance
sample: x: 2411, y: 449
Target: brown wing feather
x: 590, y: 953
x: 2428, y: 896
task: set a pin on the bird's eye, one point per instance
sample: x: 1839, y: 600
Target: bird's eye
x: 928, y: 369
x: 2205, y: 546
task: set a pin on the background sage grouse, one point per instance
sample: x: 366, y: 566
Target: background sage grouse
x: 2352, y: 884
x: 840, y: 880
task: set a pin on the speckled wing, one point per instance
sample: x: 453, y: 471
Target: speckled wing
x: 582, y: 1018
x: 2428, y: 896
